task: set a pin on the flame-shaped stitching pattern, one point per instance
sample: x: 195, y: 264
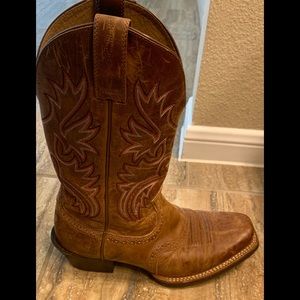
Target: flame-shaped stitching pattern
x: 70, y: 152
x: 149, y: 150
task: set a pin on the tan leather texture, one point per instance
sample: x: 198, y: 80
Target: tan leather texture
x: 111, y: 97
x: 110, y: 36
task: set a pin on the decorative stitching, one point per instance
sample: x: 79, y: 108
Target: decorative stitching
x: 137, y: 240
x: 77, y: 226
x: 170, y: 245
x: 69, y: 152
x: 149, y: 150
x: 134, y: 240
x: 155, y: 253
x: 80, y: 204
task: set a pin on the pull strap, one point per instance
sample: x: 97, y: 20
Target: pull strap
x: 110, y: 37
x: 109, y: 7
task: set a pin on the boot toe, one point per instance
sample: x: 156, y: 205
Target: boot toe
x: 232, y: 233
x: 213, y: 241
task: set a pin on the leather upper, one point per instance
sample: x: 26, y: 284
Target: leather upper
x: 111, y: 96
x: 183, y: 242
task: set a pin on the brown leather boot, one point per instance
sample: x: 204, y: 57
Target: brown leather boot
x: 111, y: 89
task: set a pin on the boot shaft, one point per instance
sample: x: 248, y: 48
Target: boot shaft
x: 111, y: 91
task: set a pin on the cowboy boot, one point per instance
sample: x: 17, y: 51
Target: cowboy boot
x: 111, y: 89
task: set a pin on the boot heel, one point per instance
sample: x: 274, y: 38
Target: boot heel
x: 84, y: 263
x: 91, y: 264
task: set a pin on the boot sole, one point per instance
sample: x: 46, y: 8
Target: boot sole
x: 106, y: 266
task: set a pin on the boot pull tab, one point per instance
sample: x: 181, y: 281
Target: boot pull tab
x: 110, y: 38
x: 109, y: 7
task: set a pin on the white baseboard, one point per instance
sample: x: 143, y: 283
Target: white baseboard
x: 218, y: 145
x: 222, y: 145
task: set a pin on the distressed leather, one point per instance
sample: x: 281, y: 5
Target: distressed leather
x: 110, y: 36
x: 111, y: 90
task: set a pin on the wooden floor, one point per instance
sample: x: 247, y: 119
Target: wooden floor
x: 198, y: 186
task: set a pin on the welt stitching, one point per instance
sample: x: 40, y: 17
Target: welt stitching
x: 217, y: 268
